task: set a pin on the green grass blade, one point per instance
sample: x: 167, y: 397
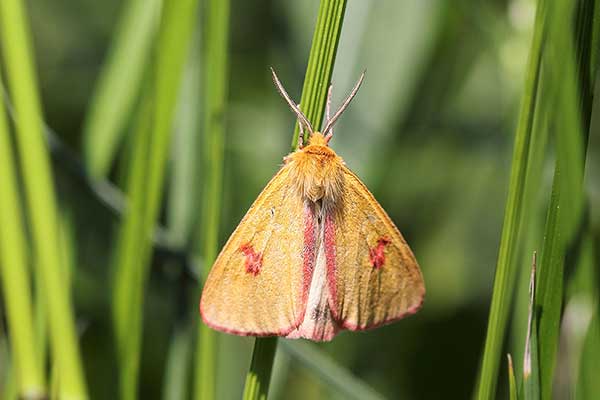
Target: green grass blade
x: 259, y: 375
x: 567, y: 190
x: 329, y: 372
x: 145, y: 186
x: 215, y: 74
x: 131, y: 257
x: 531, y: 368
x: 15, y: 275
x: 314, y: 93
x: 182, y: 212
x: 515, y: 205
x: 579, y: 326
x: 512, y: 382
x: 40, y: 196
x: 586, y: 278
x: 8, y: 388
x: 178, y: 361
x: 588, y: 385
x: 119, y: 84
x: 320, y: 63
x: 183, y: 189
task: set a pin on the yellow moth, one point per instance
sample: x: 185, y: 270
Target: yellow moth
x: 315, y: 254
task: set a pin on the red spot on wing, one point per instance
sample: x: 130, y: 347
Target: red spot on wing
x: 377, y: 254
x: 253, y: 259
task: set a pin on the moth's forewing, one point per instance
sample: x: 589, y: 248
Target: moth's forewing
x: 257, y: 284
x: 373, y: 275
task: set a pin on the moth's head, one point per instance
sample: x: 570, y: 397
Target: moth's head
x: 318, y: 139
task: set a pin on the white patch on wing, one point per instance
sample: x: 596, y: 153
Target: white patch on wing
x: 318, y: 323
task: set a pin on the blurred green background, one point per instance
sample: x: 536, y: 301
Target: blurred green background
x: 430, y: 133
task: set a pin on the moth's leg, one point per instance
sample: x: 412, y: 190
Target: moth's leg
x: 301, y: 136
x: 327, y: 112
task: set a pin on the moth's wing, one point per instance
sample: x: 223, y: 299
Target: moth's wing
x: 257, y: 284
x: 373, y: 276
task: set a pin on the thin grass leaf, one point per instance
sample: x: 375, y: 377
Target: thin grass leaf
x: 8, y: 388
x: 39, y: 190
x: 524, y: 156
x: 182, y: 207
x: 15, y: 277
x: 181, y: 213
x: 567, y: 189
x: 314, y: 93
x: 512, y: 383
x: 259, y: 375
x: 588, y: 384
x: 215, y: 68
x: 329, y: 372
x: 178, y: 361
x: 320, y: 63
x: 131, y: 258
x: 145, y: 186
x: 581, y: 308
x: 533, y: 200
x: 531, y: 383
x: 119, y: 84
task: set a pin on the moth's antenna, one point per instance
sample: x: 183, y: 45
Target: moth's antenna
x: 301, y: 135
x: 328, y: 108
x: 328, y: 127
x: 301, y: 117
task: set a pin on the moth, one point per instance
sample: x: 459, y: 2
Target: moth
x: 315, y: 254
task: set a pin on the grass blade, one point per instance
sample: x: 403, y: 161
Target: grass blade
x: 119, y: 84
x: 15, y: 275
x: 531, y: 382
x: 568, y: 117
x: 131, y: 258
x: 588, y: 385
x: 145, y: 187
x: 177, y: 368
x: 320, y: 63
x: 314, y: 92
x: 181, y: 215
x: 512, y: 383
x: 40, y: 196
x: 259, y: 375
x: 216, y: 70
x: 516, y: 203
